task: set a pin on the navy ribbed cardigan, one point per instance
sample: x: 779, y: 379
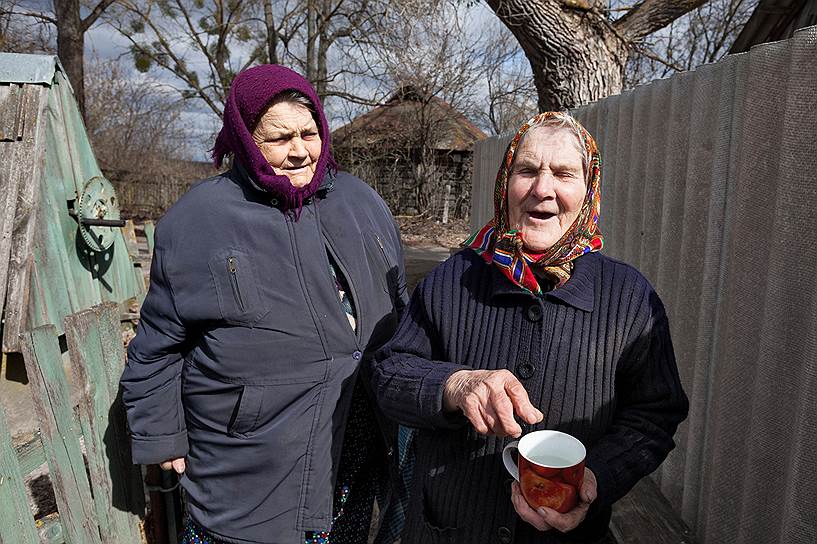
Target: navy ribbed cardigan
x: 595, y: 356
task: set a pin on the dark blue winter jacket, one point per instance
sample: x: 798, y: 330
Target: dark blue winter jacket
x: 244, y: 361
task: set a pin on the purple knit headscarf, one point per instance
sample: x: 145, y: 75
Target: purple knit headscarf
x: 250, y: 94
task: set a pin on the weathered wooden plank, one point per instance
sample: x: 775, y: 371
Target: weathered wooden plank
x: 9, y: 184
x: 52, y: 402
x: 91, y: 343
x: 28, y: 165
x: 115, y: 357
x: 16, y: 521
x: 644, y: 516
x: 31, y: 455
x: 11, y: 117
x: 97, y: 356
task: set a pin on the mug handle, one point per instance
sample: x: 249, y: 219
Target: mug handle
x: 510, y: 464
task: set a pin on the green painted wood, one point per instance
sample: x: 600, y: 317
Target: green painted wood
x: 66, y: 278
x: 31, y: 455
x: 60, y: 434
x: 115, y: 357
x: 150, y: 230
x: 91, y: 344
x: 16, y: 521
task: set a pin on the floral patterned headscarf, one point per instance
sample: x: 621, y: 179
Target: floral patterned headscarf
x: 497, y: 243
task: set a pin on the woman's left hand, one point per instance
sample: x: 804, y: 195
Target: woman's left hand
x: 545, y: 519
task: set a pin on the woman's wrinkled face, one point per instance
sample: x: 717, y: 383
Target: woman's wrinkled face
x: 288, y: 138
x: 546, y: 187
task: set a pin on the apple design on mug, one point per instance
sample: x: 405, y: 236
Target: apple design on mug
x: 543, y: 486
x: 550, y: 470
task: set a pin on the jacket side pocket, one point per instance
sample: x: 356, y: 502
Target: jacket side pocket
x: 245, y: 415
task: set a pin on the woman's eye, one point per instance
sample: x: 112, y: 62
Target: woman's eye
x: 309, y: 135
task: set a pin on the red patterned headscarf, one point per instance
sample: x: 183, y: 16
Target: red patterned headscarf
x: 497, y: 243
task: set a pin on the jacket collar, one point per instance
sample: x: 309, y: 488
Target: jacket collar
x: 240, y: 174
x: 579, y: 291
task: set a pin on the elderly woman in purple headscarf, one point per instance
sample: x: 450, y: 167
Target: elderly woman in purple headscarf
x: 270, y: 284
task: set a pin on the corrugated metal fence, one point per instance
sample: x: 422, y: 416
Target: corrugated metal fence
x: 709, y: 188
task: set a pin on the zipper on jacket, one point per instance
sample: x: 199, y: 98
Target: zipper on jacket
x: 382, y: 251
x: 233, y: 269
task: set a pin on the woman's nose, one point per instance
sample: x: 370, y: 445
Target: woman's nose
x: 297, y: 149
x: 544, y: 186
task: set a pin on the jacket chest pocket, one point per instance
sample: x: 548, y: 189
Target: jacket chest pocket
x: 236, y: 287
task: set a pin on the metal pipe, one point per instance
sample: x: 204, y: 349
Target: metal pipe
x: 102, y: 222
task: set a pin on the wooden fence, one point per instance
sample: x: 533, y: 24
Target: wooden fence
x: 81, y: 418
x: 708, y: 187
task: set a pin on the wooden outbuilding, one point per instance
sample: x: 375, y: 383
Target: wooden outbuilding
x: 415, y: 150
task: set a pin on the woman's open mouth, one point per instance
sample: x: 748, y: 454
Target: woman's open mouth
x: 540, y: 216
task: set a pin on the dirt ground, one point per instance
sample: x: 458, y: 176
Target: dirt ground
x: 419, y: 231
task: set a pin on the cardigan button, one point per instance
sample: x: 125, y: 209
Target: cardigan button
x: 504, y: 535
x: 356, y: 355
x: 534, y: 312
x: 525, y: 370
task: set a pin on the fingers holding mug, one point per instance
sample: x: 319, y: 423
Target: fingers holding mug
x: 524, y: 510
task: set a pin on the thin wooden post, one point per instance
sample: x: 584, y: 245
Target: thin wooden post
x: 60, y: 434
x: 150, y: 230
x: 129, y: 233
x: 16, y: 521
x: 95, y: 349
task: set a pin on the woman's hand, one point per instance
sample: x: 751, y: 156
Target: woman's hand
x: 545, y: 519
x: 174, y: 464
x: 489, y: 399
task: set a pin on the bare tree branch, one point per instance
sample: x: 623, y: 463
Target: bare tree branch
x: 95, y: 13
x: 34, y: 15
x: 652, y: 15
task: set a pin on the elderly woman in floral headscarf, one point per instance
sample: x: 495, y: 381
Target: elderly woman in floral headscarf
x: 530, y: 321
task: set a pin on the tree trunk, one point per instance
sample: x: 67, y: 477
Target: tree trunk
x: 272, y: 33
x: 575, y: 56
x: 311, y: 38
x: 70, y: 46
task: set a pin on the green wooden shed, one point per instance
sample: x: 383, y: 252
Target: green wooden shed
x: 61, y: 246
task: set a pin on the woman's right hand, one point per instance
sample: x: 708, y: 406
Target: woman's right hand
x: 489, y: 399
x: 174, y: 464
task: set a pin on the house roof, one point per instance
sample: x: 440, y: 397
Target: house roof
x: 388, y: 124
x: 23, y: 68
x: 775, y: 20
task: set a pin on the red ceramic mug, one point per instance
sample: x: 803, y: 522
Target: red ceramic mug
x: 550, y: 470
